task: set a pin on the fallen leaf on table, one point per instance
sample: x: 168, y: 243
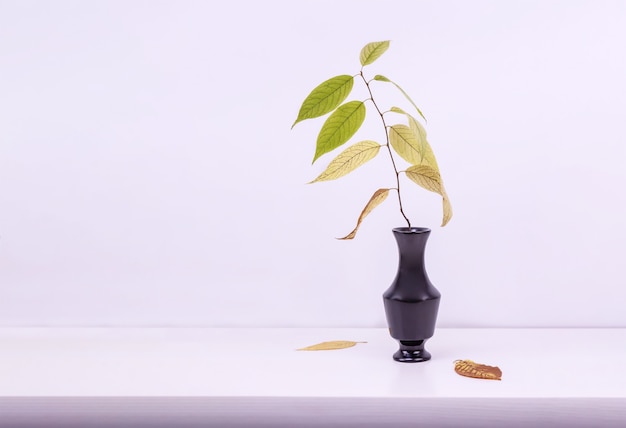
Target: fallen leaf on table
x: 329, y: 346
x: 479, y: 371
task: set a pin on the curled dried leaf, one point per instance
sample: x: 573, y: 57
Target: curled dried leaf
x: 479, y: 371
x: 329, y: 346
x: 377, y: 198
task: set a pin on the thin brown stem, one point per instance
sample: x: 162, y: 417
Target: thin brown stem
x: 393, y: 162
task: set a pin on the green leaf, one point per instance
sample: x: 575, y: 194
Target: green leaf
x: 385, y: 79
x: 405, y: 143
x: 377, y: 198
x: 430, y: 179
x: 325, y: 97
x: 372, y: 51
x: 349, y: 160
x: 340, y: 126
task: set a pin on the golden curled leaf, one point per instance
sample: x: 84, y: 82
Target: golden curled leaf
x: 329, y: 346
x: 340, y: 126
x: 325, y: 97
x: 349, y: 160
x: 377, y: 198
x: 479, y: 371
x: 372, y: 51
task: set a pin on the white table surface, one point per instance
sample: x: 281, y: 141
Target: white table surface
x: 184, y: 377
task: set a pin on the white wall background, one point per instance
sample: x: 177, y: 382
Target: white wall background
x: 149, y: 176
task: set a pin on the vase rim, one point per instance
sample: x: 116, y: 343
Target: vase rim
x: 411, y: 230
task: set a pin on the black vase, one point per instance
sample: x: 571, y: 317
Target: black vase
x: 411, y: 302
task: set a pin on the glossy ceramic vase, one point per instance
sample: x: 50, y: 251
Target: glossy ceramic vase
x: 411, y: 302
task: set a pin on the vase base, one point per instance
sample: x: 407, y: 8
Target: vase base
x: 411, y: 351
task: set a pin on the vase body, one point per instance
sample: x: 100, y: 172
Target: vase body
x: 411, y: 302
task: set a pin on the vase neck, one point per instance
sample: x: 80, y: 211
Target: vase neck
x: 411, y: 247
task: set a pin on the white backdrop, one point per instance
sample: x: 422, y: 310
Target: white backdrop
x: 149, y: 176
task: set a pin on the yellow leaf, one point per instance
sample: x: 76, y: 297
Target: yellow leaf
x: 329, y: 346
x: 405, y: 142
x: 428, y: 156
x: 420, y: 142
x: 349, y: 160
x: 420, y: 134
x: 398, y: 110
x: 479, y: 371
x: 377, y: 198
x: 425, y: 176
x: 447, y: 209
x: 428, y: 177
